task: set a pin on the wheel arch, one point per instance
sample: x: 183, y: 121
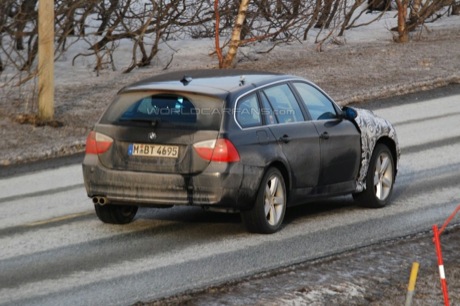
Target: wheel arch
x: 391, y: 144
x: 284, y: 172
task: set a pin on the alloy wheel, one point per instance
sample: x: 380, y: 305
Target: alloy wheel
x: 383, y: 176
x: 274, y: 200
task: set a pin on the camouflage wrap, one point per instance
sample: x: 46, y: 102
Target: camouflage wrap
x: 372, y: 129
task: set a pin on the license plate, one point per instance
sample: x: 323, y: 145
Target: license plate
x: 156, y: 150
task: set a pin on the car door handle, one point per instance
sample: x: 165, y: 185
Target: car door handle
x: 285, y: 138
x: 324, y: 136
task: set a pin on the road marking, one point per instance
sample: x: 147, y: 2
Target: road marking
x: 58, y: 219
x: 40, y: 193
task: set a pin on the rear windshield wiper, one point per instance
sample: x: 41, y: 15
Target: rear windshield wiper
x: 152, y: 122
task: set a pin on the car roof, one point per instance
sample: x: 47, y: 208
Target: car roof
x: 217, y: 82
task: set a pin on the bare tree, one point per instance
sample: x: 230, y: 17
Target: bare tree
x: 456, y: 7
x: 106, y: 14
x: 66, y: 22
x: 262, y: 22
x: 415, y: 8
x: 236, y: 35
x: 4, y: 7
x: 426, y: 11
x: 88, y: 8
x: 25, y: 14
x: 313, y: 18
x: 296, y: 7
x: 324, y: 14
x: 146, y: 24
x: 403, y: 31
x: 157, y: 21
x: 348, y: 16
x: 379, y: 5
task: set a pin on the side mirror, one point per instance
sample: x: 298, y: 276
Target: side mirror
x: 349, y: 113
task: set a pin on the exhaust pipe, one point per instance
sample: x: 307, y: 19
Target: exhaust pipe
x: 100, y: 200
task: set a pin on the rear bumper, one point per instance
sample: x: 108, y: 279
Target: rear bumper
x: 219, y: 185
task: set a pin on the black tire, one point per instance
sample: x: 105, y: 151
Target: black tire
x: 267, y: 214
x: 379, y: 180
x: 115, y: 214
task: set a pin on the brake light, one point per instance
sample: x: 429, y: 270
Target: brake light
x: 97, y: 143
x: 218, y: 150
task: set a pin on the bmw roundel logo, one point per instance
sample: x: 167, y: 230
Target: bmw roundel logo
x: 152, y: 136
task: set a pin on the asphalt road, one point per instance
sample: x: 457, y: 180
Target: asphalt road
x: 54, y: 251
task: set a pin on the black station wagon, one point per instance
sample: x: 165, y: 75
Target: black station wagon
x: 234, y: 141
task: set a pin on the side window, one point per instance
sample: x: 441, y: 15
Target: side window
x: 267, y: 110
x: 284, y: 103
x: 318, y: 105
x: 248, y: 112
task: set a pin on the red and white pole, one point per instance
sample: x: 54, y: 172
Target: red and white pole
x: 442, y: 274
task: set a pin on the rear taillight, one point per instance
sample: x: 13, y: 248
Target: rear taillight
x: 97, y: 143
x: 217, y: 150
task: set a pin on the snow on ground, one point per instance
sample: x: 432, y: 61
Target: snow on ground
x: 365, y: 64
x: 191, y: 53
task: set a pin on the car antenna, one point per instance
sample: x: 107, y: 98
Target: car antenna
x: 242, y: 80
x: 186, y: 80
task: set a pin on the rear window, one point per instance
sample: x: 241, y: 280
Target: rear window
x: 159, y: 109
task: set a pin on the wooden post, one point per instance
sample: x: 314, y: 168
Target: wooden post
x: 46, y: 60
